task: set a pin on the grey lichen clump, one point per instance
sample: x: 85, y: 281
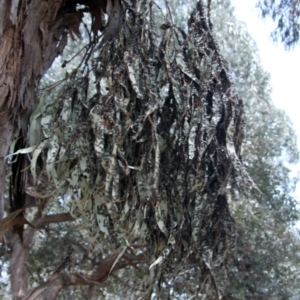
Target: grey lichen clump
x: 154, y: 153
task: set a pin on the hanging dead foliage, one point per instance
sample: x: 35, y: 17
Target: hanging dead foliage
x: 154, y: 153
x: 32, y: 35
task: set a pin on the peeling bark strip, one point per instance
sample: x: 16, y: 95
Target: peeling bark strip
x: 153, y: 155
x: 27, y: 42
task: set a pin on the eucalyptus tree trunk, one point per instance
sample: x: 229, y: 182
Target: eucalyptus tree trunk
x: 32, y: 34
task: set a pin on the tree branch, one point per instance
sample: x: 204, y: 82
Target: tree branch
x: 96, y: 276
x: 55, y: 218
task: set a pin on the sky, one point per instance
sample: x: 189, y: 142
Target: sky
x: 283, y: 65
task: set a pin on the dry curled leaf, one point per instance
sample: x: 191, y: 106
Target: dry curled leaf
x: 161, y: 147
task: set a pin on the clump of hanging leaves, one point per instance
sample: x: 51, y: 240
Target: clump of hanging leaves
x: 155, y: 153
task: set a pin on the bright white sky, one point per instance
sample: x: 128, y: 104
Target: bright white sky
x: 284, y: 66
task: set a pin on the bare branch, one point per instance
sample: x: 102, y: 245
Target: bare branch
x: 55, y: 218
x: 96, y: 276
